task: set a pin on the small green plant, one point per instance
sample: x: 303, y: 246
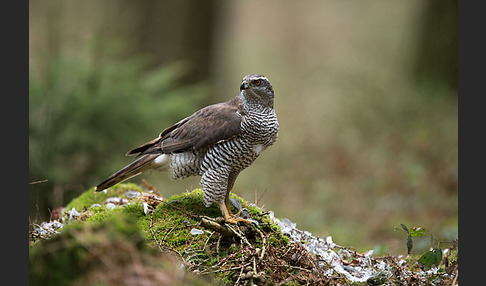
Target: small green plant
x: 430, y: 258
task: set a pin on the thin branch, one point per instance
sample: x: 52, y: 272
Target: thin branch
x: 38, y: 182
x: 152, y: 232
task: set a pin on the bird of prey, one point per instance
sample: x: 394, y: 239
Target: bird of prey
x: 216, y: 142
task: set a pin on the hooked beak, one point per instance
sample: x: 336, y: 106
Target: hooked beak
x: 244, y: 85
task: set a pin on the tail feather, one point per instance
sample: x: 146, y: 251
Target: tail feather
x: 131, y: 170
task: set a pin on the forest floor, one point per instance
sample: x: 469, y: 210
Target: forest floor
x: 132, y: 235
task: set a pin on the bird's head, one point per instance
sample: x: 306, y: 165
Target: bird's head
x: 256, y: 88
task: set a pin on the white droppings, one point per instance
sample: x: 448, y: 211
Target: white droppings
x: 110, y: 206
x: 73, y: 213
x: 145, y: 208
x: 325, y: 248
x: 132, y: 194
x: 196, y: 231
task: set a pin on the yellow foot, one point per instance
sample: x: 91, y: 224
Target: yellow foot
x: 230, y: 218
x: 235, y: 220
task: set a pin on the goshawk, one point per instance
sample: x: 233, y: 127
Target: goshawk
x: 216, y: 142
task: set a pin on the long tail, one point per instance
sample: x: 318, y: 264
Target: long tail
x: 131, y: 170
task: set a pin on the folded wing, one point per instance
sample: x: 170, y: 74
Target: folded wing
x: 205, y: 127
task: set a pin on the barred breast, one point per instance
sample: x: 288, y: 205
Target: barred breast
x: 225, y: 160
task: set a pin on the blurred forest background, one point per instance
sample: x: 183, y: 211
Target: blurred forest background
x: 366, y: 96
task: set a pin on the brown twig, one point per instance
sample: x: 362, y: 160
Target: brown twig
x: 152, y: 232
x: 263, y: 244
x: 165, y: 236
x: 207, y: 240
x: 38, y: 182
x: 211, y: 224
x: 455, y: 277
x: 291, y: 266
x: 239, y: 234
x: 217, y: 246
x: 239, y: 276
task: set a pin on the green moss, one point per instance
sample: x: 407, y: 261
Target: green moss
x: 90, y: 197
x: 71, y: 250
x: 192, y: 203
x: 284, y: 239
x: 103, y: 250
x: 170, y: 222
x: 227, y: 279
x: 233, y: 248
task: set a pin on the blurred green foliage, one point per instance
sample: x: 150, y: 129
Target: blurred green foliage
x: 84, y: 116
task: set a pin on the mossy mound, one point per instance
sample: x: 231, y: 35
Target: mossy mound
x: 130, y: 236
x: 110, y: 252
x: 127, y: 225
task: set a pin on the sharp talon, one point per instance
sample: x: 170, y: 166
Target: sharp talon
x: 231, y: 221
x: 234, y: 219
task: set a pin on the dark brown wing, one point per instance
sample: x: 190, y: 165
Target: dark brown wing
x: 203, y: 128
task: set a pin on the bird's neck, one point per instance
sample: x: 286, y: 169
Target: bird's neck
x: 252, y: 102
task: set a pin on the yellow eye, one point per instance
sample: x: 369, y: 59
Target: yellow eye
x: 257, y: 82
